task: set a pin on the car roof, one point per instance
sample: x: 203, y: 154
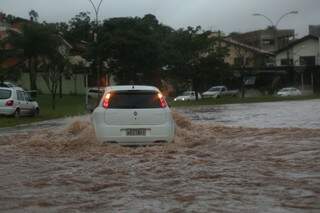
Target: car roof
x: 7, y: 88
x: 131, y: 87
x: 12, y: 88
x: 97, y: 88
x: 217, y: 86
x: 289, y: 88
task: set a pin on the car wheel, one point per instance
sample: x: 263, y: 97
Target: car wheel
x: 17, y: 113
x: 36, y: 112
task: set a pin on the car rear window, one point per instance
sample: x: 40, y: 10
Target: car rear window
x: 134, y: 100
x: 5, y: 94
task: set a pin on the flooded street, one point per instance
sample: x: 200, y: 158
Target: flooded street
x: 300, y: 114
x: 209, y: 168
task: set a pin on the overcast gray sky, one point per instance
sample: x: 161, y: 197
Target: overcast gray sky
x: 226, y: 15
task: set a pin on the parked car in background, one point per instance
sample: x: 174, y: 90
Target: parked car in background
x: 289, y: 91
x: 133, y: 115
x: 187, y: 96
x: 15, y: 101
x: 219, y: 91
x: 93, y: 97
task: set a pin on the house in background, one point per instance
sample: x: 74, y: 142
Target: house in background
x: 314, y: 30
x: 301, y: 52
x: 9, y: 56
x: 303, y: 55
x: 73, y: 81
x: 270, y: 39
x: 243, y: 55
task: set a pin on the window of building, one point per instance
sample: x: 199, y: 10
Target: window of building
x: 249, y: 61
x: 239, y: 61
x: 268, y: 42
x: 307, y: 60
x: 286, y: 62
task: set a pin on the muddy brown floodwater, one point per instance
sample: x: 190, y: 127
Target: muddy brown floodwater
x: 209, y: 168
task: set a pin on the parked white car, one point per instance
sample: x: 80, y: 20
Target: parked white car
x: 15, y: 101
x: 187, y: 96
x: 289, y: 91
x: 93, y: 97
x: 219, y: 91
x: 133, y: 115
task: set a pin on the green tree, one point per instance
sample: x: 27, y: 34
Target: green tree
x: 35, y: 40
x: 195, y: 57
x: 33, y: 15
x: 133, y: 48
x: 54, y: 62
x: 80, y: 28
x: 52, y: 69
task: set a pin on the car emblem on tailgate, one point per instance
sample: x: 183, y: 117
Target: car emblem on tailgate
x: 135, y: 113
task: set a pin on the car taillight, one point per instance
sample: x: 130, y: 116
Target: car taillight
x: 163, y: 103
x: 9, y: 103
x: 106, y: 100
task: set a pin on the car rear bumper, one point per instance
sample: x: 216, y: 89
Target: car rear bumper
x: 155, y: 134
x: 7, y: 110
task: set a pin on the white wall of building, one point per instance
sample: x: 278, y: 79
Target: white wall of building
x: 309, y: 47
x: 70, y: 86
x: 74, y: 85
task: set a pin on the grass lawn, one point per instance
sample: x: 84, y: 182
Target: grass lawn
x: 237, y: 100
x: 66, y: 106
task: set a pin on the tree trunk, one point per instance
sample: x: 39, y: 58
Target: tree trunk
x: 109, y: 75
x: 32, y: 74
x: 53, y: 101
x: 60, y: 82
x: 195, y: 88
x: 75, y: 84
x: 242, y: 86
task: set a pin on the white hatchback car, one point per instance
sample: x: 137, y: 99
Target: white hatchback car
x: 15, y: 101
x: 133, y: 115
x: 187, y: 96
x: 289, y: 91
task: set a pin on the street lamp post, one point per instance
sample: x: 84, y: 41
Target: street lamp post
x: 275, y: 25
x: 96, y: 10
